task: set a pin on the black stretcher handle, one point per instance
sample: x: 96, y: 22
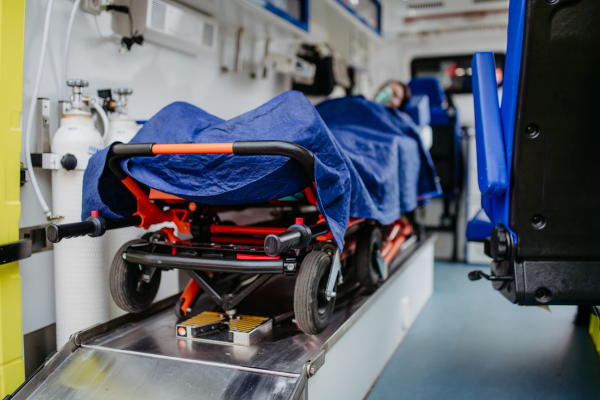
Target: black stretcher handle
x: 93, y: 226
x: 119, y: 151
x: 278, y: 148
x: 296, y: 237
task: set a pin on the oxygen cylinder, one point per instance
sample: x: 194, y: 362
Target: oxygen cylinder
x: 79, y: 264
x: 122, y: 129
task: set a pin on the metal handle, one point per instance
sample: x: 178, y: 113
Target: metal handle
x: 77, y: 100
x: 477, y: 275
x: 77, y: 83
x: 122, y: 90
x: 93, y: 226
x: 277, y: 244
x: 294, y: 151
x: 297, y: 237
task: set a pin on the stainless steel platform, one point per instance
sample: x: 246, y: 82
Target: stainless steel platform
x: 138, y: 356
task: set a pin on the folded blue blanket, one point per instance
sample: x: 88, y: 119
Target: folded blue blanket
x: 233, y: 180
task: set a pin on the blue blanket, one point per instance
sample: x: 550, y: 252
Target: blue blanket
x: 391, y: 168
x: 370, y: 190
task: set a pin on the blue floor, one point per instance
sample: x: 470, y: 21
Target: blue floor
x: 469, y: 342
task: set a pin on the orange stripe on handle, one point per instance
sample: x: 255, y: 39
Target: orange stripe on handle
x: 193, y: 148
x: 246, y: 230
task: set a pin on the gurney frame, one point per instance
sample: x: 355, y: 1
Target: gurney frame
x: 308, y: 251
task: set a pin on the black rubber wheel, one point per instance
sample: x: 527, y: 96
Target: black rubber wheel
x: 313, y: 310
x: 124, y: 279
x: 368, y: 247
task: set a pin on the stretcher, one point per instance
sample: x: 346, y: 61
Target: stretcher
x: 230, y: 262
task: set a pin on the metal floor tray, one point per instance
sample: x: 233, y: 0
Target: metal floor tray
x: 139, y: 356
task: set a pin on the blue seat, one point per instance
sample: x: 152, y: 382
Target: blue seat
x: 537, y: 161
x: 418, y: 109
x: 438, y: 103
x: 479, y: 228
x: 446, y: 151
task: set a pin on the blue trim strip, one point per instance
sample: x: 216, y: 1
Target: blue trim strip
x: 300, y: 23
x: 361, y: 19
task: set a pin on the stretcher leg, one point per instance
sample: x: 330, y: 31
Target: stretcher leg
x: 187, y: 298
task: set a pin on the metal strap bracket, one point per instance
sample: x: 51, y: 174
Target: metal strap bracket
x: 315, y: 363
x: 333, y: 274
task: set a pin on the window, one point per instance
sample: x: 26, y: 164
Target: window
x: 454, y: 72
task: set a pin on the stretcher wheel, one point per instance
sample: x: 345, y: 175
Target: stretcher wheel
x: 313, y: 310
x: 368, y: 249
x: 128, y: 291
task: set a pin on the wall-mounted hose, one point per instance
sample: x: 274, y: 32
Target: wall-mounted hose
x: 97, y: 105
x: 63, y: 94
x: 30, y: 115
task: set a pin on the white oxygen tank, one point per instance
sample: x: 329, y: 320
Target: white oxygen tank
x: 122, y: 129
x: 79, y: 263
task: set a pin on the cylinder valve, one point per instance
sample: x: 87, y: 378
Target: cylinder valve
x: 77, y: 100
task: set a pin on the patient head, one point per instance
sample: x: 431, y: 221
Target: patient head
x: 398, y: 94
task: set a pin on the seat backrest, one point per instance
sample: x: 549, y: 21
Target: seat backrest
x: 445, y: 151
x: 556, y: 163
x: 550, y: 129
x: 418, y: 109
x: 438, y: 104
x: 430, y: 87
x: 537, y: 157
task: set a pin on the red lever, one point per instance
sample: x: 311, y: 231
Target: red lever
x: 95, y: 213
x: 299, y: 221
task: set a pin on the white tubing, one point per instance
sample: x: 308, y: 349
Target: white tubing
x: 66, y: 50
x: 104, y: 117
x: 32, y: 107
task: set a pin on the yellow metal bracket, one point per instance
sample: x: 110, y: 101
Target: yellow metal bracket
x: 12, y: 28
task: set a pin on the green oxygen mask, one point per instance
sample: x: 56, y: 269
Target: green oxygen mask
x: 384, y: 96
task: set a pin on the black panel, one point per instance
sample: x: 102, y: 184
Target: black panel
x: 556, y: 171
x: 445, y: 154
x: 559, y: 282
